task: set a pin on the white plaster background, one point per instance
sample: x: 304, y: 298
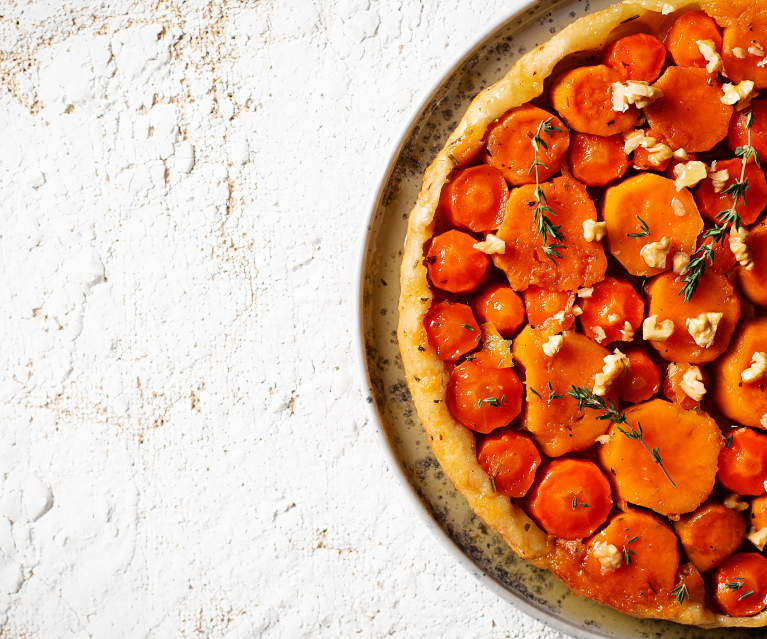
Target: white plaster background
x: 185, y: 448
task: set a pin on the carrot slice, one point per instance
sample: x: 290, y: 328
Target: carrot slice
x: 454, y: 264
x: 501, y: 306
x: 583, y: 98
x: 710, y: 534
x: 509, y: 147
x: 672, y: 433
x: 758, y: 519
x: 572, y: 499
x: 552, y: 416
x: 549, y: 310
x: 643, y: 160
x: 743, y: 462
x: 741, y: 584
x: 582, y: 264
x: 483, y: 397
x: 636, y: 57
x: 511, y: 459
x: 724, y: 260
x: 753, y: 283
x: 642, y: 380
x: 613, y: 312
x: 743, y: 402
x: 684, y: 34
x: 646, y: 208
x: 738, y: 132
x: 451, y: 330
x: 750, y: 40
x: 690, y: 115
x: 711, y: 204
x: 596, y: 160
x: 475, y: 199
x: 714, y: 294
x: 672, y: 385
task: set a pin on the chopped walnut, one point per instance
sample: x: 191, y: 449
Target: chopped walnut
x: 689, y: 173
x: 640, y: 94
x: 738, y: 52
x: 707, y: 49
x: 680, y: 154
x: 599, y: 334
x: 608, y: 556
x: 679, y: 262
x: 654, y: 253
x: 594, y: 231
x: 586, y: 292
x: 718, y: 178
x: 702, y: 328
x: 756, y: 49
x: 491, y: 245
x: 734, y: 502
x: 739, y: 248
x: 654, y: 331
x: 615, y: 365
x: 692, y: 383
x: 577, y: 310
x: 627, y: 332
x: 758, y: 537
x: 757, y: 369
x: 740, y: 94
x: 552, y: 345
x: 602, y: 439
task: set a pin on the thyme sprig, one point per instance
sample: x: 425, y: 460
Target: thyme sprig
x: 645, y: 229
x: 680, y: 592
x: 696, y: 268
x: 587, y: 398
x: 552, y: 236
x: 746, y: 594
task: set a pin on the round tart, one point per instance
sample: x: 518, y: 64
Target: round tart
x: 583, y: 309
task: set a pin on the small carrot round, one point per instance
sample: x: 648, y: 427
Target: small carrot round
x: 596, y: 160
x: 741, y: 584
x: 501, y: 306
x: 613, y: 312
x: 690, y: 115
x: 510, y: 148
x: 684, y: 34
x: 753, y: 283
x: 548, y: 309
x: 672, y: 385
x: 572, y: 499
x: 583, y: 98
x: 643, y: 160
x: 454, y: 264
x: 713, y: 294
x: 511, y: 459
x: 745, y: 35
x: 483, y: 397
x: 710, y: 534
x: 636, y: 57
x: 743, y: 463
x: 642, y: 380
x: 475, y: 199
x: 711, y: 204
x: 737, y: 135
x: 451, y: 330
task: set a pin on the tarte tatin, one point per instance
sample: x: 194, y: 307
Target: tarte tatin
x: 583, y: 315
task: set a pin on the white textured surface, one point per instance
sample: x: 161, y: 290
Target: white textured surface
x: 185, y: 448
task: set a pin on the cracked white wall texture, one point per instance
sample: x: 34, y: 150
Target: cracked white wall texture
x: 185, y: 448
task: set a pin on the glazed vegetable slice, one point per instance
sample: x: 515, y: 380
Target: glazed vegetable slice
x: 552, y: 416
x: 451, y: 330
x: 475, y: 199
x: 501, y: 306
x: 511, y: 460
x: 750, y: 39
x: 643, y: 210
x: 525, y: 262
x: 741, y: 584
x: 757, y: 533
x: 636, y: 57
x: 597, y: 160
x: 653, y: 467
x: 642, y: 380
x: 548, y: 309
x: 743, y: 402
x: 690, y: 115
x: 738, y: 132
x: 681, y: 376
x: 583, y: 98
x: 613, y: 312
x: 454, y: 264
x: 743, y: 462
x: 483, y: 397
x: 682, y: 38
x: 753, y: 282
x: 648, y: 159
x: 724, y: 260
x: 714, y: 294
x: 710, y: 534
x: 572, y: 498
x: 510, y: 151
x: 711, y: 204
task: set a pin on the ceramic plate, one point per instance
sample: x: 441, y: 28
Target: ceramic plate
x: 537, y: 592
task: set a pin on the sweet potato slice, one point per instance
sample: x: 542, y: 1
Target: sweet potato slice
x: 753, y: 282
x: 711, y: 534
x: 553, y: 418
x: 743, y: 402
x: 690, y: 115
x: 524, y: 262
x: 672, y: 433
x: 666, y: 212
x: 746, y: 37
x: 583, y: 97
x: 714, y: 294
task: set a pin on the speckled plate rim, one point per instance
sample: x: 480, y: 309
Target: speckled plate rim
x: 417, y: 503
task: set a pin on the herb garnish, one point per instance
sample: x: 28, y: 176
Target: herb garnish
x: 492, y: 483
x: 746, y: 594
x: 728, y: 441
x: 552, y: 394
x: 645, y: 229
x: 535, y: 392
x: 734, y: 585
x: 680, y: 592
x: 574, y: 504
x: 491, y: 401
x: 467, y: 327
x: 627, y: 552
x: 550, y: 232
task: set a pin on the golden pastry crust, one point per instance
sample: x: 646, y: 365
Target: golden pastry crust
x: 427, y: 377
